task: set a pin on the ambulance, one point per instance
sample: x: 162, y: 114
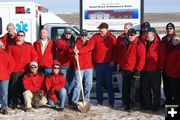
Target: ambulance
x: 31, y: 18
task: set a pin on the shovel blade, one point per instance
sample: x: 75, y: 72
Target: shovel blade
x: 84, y: 107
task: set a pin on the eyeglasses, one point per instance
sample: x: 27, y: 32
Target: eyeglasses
x: 169, y: 28
x: 68, y: 33
x: 56, y: 68
x: 33, y: 67
x: 20, y: 35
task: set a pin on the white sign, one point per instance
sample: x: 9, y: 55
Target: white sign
x: 114, y: 12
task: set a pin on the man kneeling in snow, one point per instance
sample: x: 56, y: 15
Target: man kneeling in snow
x: 34, y: 85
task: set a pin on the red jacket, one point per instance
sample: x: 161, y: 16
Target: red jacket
x: 63, y: 51
x: 104, y: 47
x: 54, y: 82
x: 133, y: 58
x: 142, y: 37
x: 34, y: 82
x: 121, y: 41
x: 155, y: 56
x: 23, y: 55
x: 46, y: 59
x: 172, y: 67
x: 7, y: 40
x: 85, y: 55
x: 167, y: 43
x: 6, y: 64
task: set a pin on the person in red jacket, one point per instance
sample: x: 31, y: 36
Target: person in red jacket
x: 143, y: 35
x: 172, y: 69
x: 167, y: 40
x: 133, y: 60
x: 84, y: 49
x: 46, y: 50
x: 151, y: 73
x: 121, y: 40
x: 55, y: 84
x: 103, y: 53
x: 10, y: 36
x: 23, y: 53
x: 34, y: 85
x: 6, y: 68
x: 63, y: 45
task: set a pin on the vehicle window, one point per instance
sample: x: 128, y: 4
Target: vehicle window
x: 56, y: 33
x: 0, y: 25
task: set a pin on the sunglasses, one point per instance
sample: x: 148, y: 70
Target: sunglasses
x: 20, y: 35
x: 56, y: 68
x: 83, y: 35
x: 68, y: 33
x: 33, y: 67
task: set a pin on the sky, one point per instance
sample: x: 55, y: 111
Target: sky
x: 71, y: 6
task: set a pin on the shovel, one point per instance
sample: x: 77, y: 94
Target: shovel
x: 83, y: 106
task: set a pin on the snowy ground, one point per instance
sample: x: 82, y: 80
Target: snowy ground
x: 96, y: 113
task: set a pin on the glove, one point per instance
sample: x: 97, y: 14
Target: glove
x: 39, y: 94
x: 137, y: 75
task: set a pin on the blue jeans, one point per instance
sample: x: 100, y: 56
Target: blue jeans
x: 45, y: 70
x: 69, y: 75
x: 61, y: 97
x: 87, y: 76
x: 4, y: 94
x: 104, y: 75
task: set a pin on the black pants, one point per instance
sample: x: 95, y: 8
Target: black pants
x: 126, y: 87
x: 135, y: 91
x: 150, y: 84
x: 175, y: 88
x: 16, y: 88
x: 167, y: 89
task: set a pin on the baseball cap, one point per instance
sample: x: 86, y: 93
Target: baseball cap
x: 131, y: 32
x: 151, y: 29
x: 103, y: 25
x: 83, y: 32
x: 68, y: 31
x: 33, y: 63
x: 56, y: 63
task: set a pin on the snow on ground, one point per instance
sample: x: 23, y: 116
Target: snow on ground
x: 96, y: 113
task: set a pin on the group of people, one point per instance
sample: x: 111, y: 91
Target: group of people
x: 47, y: 71
x: 143, y: 60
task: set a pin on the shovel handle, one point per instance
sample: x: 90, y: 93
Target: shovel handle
x: 80, y: 77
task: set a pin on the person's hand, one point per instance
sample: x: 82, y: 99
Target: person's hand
x: 76, y: 50
x: 137, y: 75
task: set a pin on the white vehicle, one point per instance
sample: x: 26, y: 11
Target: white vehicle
x: 31, y: 17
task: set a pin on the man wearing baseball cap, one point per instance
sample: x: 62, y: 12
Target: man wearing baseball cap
x: 167, y: 40
x: 84, y: 49
x: 133, y: 60
x: 34, y: 85
x: 103, y: 53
